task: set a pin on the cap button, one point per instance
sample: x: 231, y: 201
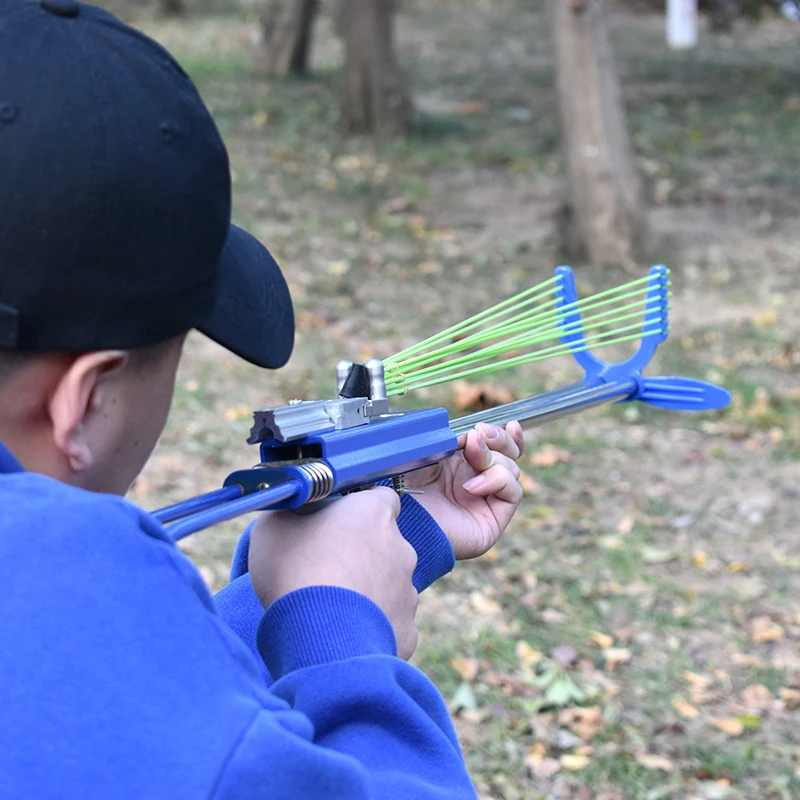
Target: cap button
x: 61, y: 8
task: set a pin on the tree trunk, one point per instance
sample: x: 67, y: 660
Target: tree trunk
x: 285, y: 46
x: 722, y: 15
x: 606, y: 200
x: 374, y: 99
x: 172, y: 8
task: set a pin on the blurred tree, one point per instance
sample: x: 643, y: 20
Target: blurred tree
x: 374, y: 98
x: 172, y: 8
x: 605, y: 211
x: 286, y: 30
x: 721, y: 14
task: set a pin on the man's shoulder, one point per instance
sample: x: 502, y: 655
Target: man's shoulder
x: 55, y: 534
x: 37, y: 509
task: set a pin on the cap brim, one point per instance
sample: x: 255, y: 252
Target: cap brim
x: 253, y: 315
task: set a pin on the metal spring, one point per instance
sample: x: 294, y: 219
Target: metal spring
x: 322, y: 480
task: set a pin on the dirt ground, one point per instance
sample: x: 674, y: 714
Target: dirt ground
x: 635, y: 634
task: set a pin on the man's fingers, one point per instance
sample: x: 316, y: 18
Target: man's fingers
x: 499, y: 481
x: 476, y: 451
x: 388, y: 496
x: 481, y: 453
x: 514, y: 429
x: 500, y: 440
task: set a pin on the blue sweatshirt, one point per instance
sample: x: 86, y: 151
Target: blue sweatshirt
x: 120, y: 679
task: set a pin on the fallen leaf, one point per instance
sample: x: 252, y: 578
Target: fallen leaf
x: 564, y: 654
x: 398, y: 205
x: 474, y: 108
x: 569, y: 716
x: 737, y: 566
x: 625, y: 525
x: 756, y: 697
x: 467, y: 668
x: 541, y: 512
x: 765, y: 630
x: 586, y: 722
x: 776, y: 435
x: 545, y: 768
x: 552, y: 616
x: 700, y: 681
x: 566, y: 740
x: 549, y: 456
x: 338, y: 268
x: 790, y: 697
x: 240, y: 412
x: 654, y: 555
x: 767, y: 318
x: 602, y: 640
x: 650, y: 761
x: 699, y: 558
x: 141, y: 487
x: 463, y: 699
x: 614, y: 656
x: 483, y: 604
x: 559, y: 688
x: 575, y: 761
x: 728, y: 725
x: 685, y: 709
x: 479, y: 396
x: 527, y: 655
x: 537, y: 752
x: 528, y: 484
x: 751, y: 722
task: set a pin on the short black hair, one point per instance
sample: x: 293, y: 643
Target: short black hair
x: 11, y: 361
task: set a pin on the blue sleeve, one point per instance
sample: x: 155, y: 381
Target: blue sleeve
x: 383, y: 735
x: 238, y: 605
x: 120, y: 676
x: 381, y: 728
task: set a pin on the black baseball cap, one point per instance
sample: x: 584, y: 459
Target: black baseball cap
x: 115, y: 198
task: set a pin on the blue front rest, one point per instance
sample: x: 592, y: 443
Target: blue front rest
x: 358, y: 456
x: 383, y: 448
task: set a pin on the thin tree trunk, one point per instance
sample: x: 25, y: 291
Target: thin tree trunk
x: 606, y: 200
x: 286, y: 30
x: 722, y: 15
x: 374, y: 99
x: 172, y: 8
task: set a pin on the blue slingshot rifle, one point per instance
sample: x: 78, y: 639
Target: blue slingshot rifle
x: 313, y: 450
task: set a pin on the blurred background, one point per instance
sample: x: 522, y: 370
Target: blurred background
x: 635, y: 634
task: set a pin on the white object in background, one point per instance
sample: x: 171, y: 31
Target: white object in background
x: 681, y: 24
x: 790, y: 10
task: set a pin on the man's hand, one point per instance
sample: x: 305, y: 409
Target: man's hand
x: 353, y: 543
x: 474, y: 494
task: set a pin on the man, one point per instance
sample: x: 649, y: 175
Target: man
x: 120, y: 676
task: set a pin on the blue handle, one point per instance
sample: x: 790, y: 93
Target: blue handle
x: 681, y: 394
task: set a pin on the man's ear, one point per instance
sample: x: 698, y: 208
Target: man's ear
x: 77, y: 394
